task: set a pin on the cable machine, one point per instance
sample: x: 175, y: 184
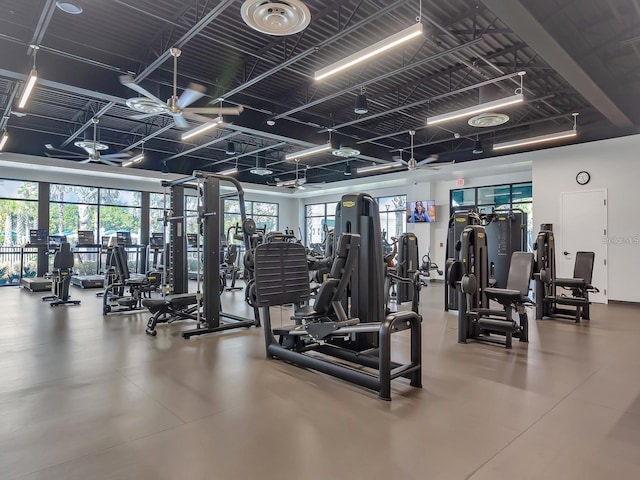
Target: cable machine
x: 180, y: 305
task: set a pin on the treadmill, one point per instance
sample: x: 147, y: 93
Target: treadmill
x: 87, y: 244
x: 38, y: 239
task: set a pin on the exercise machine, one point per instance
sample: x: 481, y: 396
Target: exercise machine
x: 61, y: 275
x: 457, y: 223
x: 127, y: 290
x: 469, y: 275
x: 564, y: 297
x: 347, y: 322
x: 506, y: 233
x: 203, y: 306
x: 87, y: 245
x: 38, y: 245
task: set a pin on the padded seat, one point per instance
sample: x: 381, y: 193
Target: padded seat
x: 514, y: 296
x: 505, y: 296
x: 571, y: 282
x: 176, y: 301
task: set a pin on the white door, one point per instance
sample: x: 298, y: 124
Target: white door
x: 584, y: 228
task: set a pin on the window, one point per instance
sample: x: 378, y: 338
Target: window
x: 18, y: 214
x: 156, y: 212
x: 120, y: 211
x: 393, y: 215
x: 318, y: 218
x: 72, y: 208
x: 263, y: 213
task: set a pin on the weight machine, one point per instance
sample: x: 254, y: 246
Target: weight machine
x: 469, y: 275
x: 347, y: 322
x: 553, y: 295
x: 203, y: 306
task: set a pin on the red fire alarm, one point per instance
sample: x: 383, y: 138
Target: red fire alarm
x: 460, y: 182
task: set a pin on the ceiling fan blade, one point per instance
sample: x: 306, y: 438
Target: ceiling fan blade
x: 180, y: 120
x: 86, y: 160
x: 191, y: 94
x: 428, y: 160
x: 216, y: 110
x: 127, y: 81
x: 116, y: 155
x: 143, y: 116
x: 435, y: 166
x: 107, y: 162
x: 198, y: 118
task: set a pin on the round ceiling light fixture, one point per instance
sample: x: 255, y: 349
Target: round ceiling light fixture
x: 276, y: 17
x: 72, y: 7
x: 345, y: 152
x: 145, y: 105
x: 488, y: 119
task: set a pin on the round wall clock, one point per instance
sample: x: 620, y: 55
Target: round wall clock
x: 583, y: 178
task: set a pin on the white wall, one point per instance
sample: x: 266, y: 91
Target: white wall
x: 614, y: 165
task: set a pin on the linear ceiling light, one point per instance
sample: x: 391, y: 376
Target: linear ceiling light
x: 533, y: 140
x: 3, y: 140
x: 200, y: 129
x: 307, y: 152
x: 483, y: 107
x: 541, y: 138
x: 229, y: 171
x: 133, y: 160
x: 33, y: 76
x: 380, y: 166
x: 371, y: 51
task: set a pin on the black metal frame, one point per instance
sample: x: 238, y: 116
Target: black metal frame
x: 294, y: 342
x: 212, y: 318
x: 470, y: 276
x: 546, y: 284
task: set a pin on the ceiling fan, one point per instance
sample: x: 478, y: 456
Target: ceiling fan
x: 92, y: 147
x: 428, y: 162
x: 178, y: 107
x: 299, y: 182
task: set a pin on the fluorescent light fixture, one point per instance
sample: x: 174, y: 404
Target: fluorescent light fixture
x: 33, y: 76
x: 307, y: 152
x: 483, y: 107
x: 3, y: 140
x: 202, y: 128
x: 229, y: 171
x: 128, y: 163
x: 380, y: 166
x: 138, y: 158
x: 533, y: 140
x: 371, y: 51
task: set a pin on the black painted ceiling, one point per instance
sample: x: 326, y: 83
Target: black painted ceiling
x: 80, y: 58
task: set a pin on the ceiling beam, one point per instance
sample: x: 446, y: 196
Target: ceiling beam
x: 522, y: 22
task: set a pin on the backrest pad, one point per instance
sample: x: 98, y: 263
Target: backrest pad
x: 520, y: 272
x: 63, y: 258
x: 583, y: 267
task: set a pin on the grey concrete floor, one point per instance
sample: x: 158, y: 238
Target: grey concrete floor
x: 87, y: 397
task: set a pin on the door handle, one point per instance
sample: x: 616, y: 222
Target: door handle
x: 565, y: 253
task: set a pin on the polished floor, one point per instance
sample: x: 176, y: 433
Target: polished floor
x: 87, y: 397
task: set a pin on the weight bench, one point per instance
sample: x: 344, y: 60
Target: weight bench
x: 171, y: 308
x: 487, y: 320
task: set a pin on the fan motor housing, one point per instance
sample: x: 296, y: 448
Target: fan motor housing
x: 276, y: 17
